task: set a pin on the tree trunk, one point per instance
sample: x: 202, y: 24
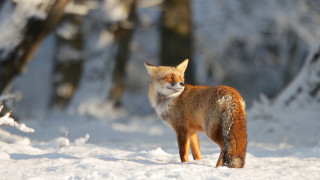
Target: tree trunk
x: 32, y: 34
x: 68, y: 60
x: 176, y: 35
x: 123, y: 35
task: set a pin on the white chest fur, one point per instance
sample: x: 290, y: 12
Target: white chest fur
x: 162, y: 108
x: 162, y: 99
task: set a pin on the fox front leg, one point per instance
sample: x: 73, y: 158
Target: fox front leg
x: 195, y: 148
x: 183, y: 143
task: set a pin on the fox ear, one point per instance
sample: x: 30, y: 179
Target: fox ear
x: 150, y: 68
x: 183, y: 66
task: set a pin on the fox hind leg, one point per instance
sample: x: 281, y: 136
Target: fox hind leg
x: 215, y: 134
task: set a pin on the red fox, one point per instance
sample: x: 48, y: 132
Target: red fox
x: 218, y: 111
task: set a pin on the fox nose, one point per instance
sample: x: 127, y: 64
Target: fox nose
x: 181, y: 84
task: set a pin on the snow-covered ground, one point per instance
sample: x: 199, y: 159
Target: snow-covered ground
x: 120, y: 146
x: 91, y: 141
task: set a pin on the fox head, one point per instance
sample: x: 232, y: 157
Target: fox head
x: 166, y: 80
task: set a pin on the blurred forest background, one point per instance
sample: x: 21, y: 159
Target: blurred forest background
x: 81, y: 55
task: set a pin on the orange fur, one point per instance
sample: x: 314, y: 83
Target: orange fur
x: 218, y: 111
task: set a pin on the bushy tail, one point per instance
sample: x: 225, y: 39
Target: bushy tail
x: 234, y: 129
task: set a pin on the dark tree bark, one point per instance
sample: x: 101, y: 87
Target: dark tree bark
x: 34, y: 32
x: 1, y: 3
x: 68, y: 61
x: 176, y: 35
x: 123, y: 35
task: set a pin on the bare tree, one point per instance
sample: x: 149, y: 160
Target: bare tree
x: 176, y: 34
x: 36, y: 28
x: 68, y: 60
x: 123, y: 34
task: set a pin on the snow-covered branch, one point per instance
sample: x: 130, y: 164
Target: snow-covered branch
x: 301, y: 94
x: 15, y: 97
x: 304, y: 89
x: 6, y: 97
x: 23, y: 27
x: 9, y: 121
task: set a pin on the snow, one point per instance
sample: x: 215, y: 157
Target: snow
x: 90, y: 140
x: 230, y: 33
x: 9, y: 121
x: 77, y: 9
x: 304, y: 83
x: 91, y: 162
x: 67, y: 30
x: 12, y: 28
x: 114, y: 10
x: 120, y: 146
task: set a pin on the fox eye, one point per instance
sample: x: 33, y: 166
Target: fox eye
x: 170, y: 77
